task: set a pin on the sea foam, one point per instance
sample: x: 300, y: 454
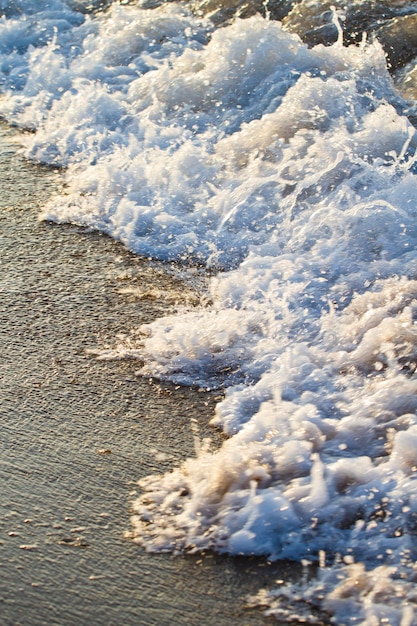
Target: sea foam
x: 291, y: 174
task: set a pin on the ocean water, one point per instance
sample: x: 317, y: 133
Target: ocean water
x: 281, y: 179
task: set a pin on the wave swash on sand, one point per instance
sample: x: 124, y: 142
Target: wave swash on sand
x: 290, y: 173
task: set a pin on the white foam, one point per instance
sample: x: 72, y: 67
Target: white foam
x: 292, y: 171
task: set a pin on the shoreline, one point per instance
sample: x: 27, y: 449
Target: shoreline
x: 78, y: 433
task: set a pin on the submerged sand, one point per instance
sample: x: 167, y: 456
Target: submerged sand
x: 77, y: 433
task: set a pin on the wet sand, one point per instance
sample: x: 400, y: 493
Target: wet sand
x: 77, y: 433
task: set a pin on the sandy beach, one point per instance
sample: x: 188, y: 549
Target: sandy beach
x: 77, y: 433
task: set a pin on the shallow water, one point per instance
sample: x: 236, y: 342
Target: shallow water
x: 289, y: 173
x: 77, y: 433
